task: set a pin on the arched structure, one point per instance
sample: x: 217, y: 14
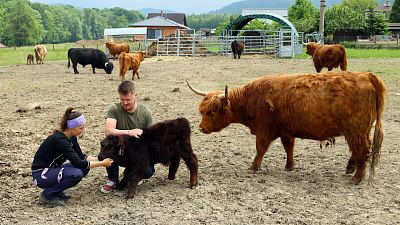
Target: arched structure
x: 241, y: 21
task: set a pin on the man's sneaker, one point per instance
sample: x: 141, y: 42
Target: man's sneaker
x: 63, y: 196
x: 108, y: 187
x: 50, y: 202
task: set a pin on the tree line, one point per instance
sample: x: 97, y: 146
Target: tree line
x: 26, y: 23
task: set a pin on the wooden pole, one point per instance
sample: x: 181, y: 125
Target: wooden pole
x: 321, y: 20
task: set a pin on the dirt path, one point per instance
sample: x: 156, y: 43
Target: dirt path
x: 317, y: 192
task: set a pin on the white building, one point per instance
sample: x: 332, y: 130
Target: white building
x: 254, y: 11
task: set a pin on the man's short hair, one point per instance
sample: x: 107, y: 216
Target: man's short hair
x: 126, y: 87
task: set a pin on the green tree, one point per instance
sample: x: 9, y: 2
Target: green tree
x: 207, y: 20
x: 258, y: 24
x: 221, y: 27
x: 304, y: 16
x: 342, y: 18
x: 360, y: 6
x: 395, y: 15
x: 22, y: 24
x: 376, y: 23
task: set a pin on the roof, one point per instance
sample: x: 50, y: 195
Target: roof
x: 176, y: 17
x: 384, y: 7
x: 158, y: 21
x: 125, y: 31
x: 3, y: 45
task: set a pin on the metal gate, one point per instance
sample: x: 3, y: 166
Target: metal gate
x: 274, y: 43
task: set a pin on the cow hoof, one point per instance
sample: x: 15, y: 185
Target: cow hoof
x: 252, y: 169
x: 350, y: 170
x: 170, y: 177
x: 356, y: 180
x: 192, y: 186
x: 128, y: 196
x: 289, y: 168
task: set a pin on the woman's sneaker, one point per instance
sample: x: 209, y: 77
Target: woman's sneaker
x: 108, y: 187
x: 54, y: 202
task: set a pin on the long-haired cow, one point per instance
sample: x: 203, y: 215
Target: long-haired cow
x: 116, y: 49
x: 166, y: 142
x: 130, y: 61
x: 40, y: 53
x: 307, y: 106
x: 237, y: 48
x: 329, y: 56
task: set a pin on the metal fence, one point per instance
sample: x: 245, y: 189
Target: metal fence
x: 274, y: 43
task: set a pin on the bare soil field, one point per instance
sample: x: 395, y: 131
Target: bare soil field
x: 316, y: 192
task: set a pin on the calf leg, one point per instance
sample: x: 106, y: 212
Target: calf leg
x: 173, y: 167
x: 93, y: 68
x: 288, y: 144
x: 122, y: 184
x: 262, y: 145
x: 192, y: 163
x: 135, y: 176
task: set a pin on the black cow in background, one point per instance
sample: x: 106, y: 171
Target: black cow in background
x: 85, y: 56
x: 165, y: 142
x: 237, y: 48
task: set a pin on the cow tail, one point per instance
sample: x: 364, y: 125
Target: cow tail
x: 69, y: 64
x: 343, y: 64
x: 380, y: 95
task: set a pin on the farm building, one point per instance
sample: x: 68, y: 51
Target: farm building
x: 138, y: 33
x: 176, y: 17
x: 159, y: 27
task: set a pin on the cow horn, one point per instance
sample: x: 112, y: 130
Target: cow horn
x: 105, y: 64
x: 202, y: 93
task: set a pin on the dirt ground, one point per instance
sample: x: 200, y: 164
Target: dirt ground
x: 317, y: 192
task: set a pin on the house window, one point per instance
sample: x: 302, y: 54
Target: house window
x: 154, y: 33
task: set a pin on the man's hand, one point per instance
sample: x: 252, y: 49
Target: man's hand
x: 107, y: 162
x: 135, y: 133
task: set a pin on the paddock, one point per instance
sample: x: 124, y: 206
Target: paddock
x: 316, y: 192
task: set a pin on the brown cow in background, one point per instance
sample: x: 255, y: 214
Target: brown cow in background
x: 40, y: 53
x: 130, y: 61
x: 307, y: 106
x: 29, y: 59
x: 116, y: 49
x: 237, y: 48
x: 330, y: 56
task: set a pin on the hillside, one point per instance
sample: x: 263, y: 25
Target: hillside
x: 237, y: 7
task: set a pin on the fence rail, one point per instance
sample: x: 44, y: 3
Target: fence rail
x: 276, y: 44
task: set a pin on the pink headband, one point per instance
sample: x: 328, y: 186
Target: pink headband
x: 76, y: 122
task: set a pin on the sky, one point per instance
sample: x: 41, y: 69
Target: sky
x: 183, y: 6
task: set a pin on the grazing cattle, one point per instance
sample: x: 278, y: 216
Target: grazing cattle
x: 129, y: 61
x: 166, y: 142
x: 29, y: 59
x: 116, y: 49
x: 307, y: 106
x: 85, y: 56
x: 330, y: 56
x: 237, y: 48
x: 40, y: 53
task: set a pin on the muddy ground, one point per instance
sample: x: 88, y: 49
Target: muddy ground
x: 317, y: 192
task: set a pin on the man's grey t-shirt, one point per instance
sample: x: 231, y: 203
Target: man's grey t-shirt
x: 140, y: 118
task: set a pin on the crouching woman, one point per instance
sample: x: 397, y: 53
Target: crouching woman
x: 49, y: 169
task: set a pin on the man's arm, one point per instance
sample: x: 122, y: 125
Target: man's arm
x: 111, y: 129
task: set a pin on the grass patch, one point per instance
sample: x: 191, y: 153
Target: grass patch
x: 56, y: 52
